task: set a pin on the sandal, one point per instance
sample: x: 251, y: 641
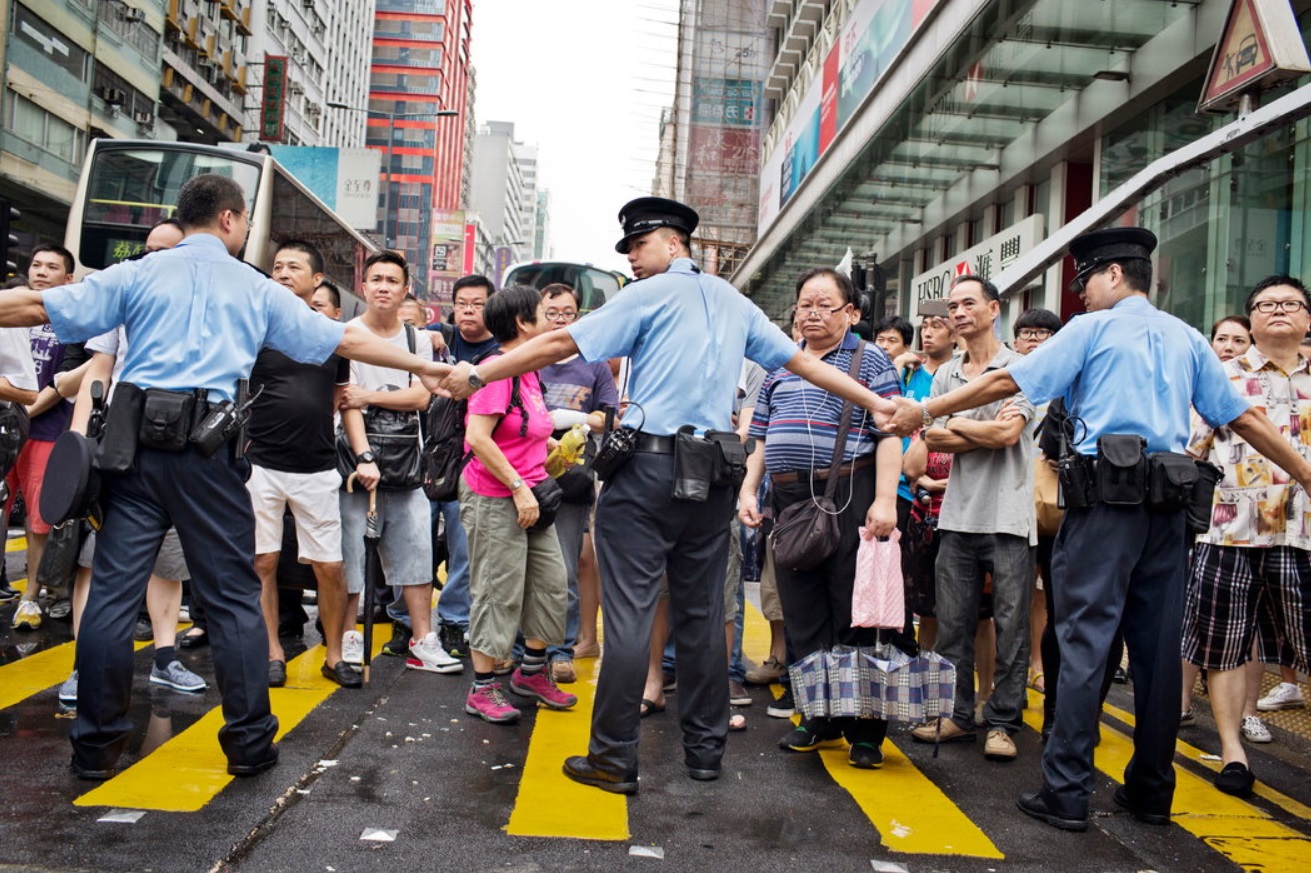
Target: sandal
x: 1036, y: 683
x: 193, y: 638
x: 650, y: 707
x: 737, y: 722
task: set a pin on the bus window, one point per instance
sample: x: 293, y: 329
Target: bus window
x: 131, y: 190
x: 594, y: 285
x: 296, y: 216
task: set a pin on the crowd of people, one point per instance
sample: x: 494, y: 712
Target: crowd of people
x: 723, y: 419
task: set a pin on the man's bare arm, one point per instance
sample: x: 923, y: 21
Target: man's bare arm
x: 1263, y: 436
x: 22, y: 307
x: 538, y: 352
x: 834, y: 381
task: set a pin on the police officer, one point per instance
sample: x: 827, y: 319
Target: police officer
x: 1126, y: 368
x: 200, y: 333
x: 686, y: 334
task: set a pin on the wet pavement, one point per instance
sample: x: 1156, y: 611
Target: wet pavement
x: 397, y: 776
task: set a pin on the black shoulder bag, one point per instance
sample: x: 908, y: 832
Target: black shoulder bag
x: 806, y: 533
x: 395, y: 439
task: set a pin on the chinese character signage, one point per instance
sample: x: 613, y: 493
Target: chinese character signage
x: 275, y: 99
x: 1259, y: 45
x: 984, y: 260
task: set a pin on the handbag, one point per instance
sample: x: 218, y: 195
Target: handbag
x: 1046, y: 498
x: 878, y: 596
x: 549, y: 497
x: 395, y: 438
x: 806, y: 533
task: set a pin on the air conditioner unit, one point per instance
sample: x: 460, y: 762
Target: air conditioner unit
x: 145, y: 119
x: 133, y: 14
x: 308, y: 4
x: 296, y: 88
x: 205, y: 63
x: 113, y: 96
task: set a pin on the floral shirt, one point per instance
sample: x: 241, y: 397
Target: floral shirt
x: 1256, y: 504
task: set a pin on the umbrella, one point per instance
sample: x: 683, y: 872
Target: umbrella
x: 372, y: 569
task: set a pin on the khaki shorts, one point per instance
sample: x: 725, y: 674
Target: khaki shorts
x: 517, y: 579
x: 169, y: 563
x: 770, y: 604
x: 315, y: 505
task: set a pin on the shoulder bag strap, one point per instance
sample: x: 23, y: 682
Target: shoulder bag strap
x: 844, y: 424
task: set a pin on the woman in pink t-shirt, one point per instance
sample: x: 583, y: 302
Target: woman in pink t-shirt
x: 517, y: 572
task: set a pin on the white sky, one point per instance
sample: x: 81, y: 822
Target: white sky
x: 585, y: 80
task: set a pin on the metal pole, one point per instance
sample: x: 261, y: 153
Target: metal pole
x: 386, y: 194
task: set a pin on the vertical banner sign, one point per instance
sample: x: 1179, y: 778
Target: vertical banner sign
x: 470, y: 242
x: 504, y: 256
x: 275, y: 99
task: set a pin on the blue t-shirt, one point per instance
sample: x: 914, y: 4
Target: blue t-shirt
x: 578, y: 385
x: 917, y: 385
x: 1130, y: 369
x: 686, y: 334
x: 195, y: 316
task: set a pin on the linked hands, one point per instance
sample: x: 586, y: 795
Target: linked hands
x: 905, y: 418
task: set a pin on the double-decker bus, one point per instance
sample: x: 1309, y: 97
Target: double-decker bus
x: 128, y: 186
x: 595, y: 285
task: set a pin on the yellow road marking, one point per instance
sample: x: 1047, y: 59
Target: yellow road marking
x: 31, y: 675
x: 1245, y: 834
x: 188, y: 771
x: 551, y: 804
x: 17, y: 544
x: 932, y: 824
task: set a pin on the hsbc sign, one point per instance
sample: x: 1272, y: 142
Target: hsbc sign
x: 984, y: 260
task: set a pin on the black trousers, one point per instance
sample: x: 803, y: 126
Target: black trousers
x: 641, y: 532
x: 1117, y: 568
x: 206, y: 499
x: 817, y: 602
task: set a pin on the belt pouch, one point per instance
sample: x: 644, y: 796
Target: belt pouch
x: 117, y: 452
x: 1121, y: 469
x: 166, y: 419
x: 731, y: 461
x: 1172, y: 479
x: 1078, y: 477
x: 1199, y: 508
x: 694, y: 465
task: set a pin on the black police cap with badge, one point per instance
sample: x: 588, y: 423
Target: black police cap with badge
x: 645, y: 214
x: 1095, y: 250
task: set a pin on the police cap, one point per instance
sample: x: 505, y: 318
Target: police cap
x: 645, y: 214
x: 1091, y: 251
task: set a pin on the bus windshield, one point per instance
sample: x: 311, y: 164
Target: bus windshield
x: 594, y: 285
x: 130, y: 190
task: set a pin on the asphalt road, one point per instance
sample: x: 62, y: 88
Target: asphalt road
x: 397, y: 776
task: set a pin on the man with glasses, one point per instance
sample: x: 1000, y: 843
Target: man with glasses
x: 1256, y: 549
x: 986, y: 526
x: 468, y: 339
x: 1126, y: 368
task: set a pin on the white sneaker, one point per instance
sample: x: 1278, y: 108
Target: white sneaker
x: 1285, y: 695
x: 68, y: 691
x: 428, y: 654
x: 352, y: 647
x: 1255, y: 731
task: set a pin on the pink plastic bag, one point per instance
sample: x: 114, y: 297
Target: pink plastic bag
x: 878, y: 598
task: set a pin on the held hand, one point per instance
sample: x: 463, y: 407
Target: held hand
x: 368, y: 475
x: 354, y: 397
x: 1009, y: 409
x: 748, y: 510
x: 881, y: 519
x: 526, y: 503
x: 432, y: 375
x: 905, y: 420
x: 457, y: 381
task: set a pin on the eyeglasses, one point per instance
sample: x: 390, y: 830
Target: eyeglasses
x: 560, y: 314
x: 1034, y: 333
x: 1269, y: 306
x: 821, y: 311
x: 471, y: 306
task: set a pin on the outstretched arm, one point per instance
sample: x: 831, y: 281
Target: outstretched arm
x: 538, y: 352
x: 834, y: 381
x: 22, y: 307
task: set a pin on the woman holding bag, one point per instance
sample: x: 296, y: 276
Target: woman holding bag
x: 815, y: 445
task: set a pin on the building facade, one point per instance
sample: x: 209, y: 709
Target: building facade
x: 420, y: 66
x: 935, y: 137
x: 500, y: 193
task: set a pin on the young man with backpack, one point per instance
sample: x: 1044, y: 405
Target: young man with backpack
x: 405, y: 547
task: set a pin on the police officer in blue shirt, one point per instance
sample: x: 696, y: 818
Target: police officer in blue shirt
x: 685, y: 333
x: 197, y: 317
x: 1126, y: 371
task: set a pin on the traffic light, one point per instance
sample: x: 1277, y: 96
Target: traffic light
x: 8, y: 241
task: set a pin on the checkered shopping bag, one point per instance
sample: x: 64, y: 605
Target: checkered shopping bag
x: 910, y: 689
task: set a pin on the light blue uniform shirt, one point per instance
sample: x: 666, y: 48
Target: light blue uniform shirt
x: 686, y: 334
x: 195, y: 317
x: 1131, y: 369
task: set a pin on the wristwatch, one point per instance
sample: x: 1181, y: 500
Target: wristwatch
x: 925, y: 418
x: 516, y: 484
x: 475, y: 381
x: 366, y: 458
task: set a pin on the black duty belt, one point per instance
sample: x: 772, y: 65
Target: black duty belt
x: 656, y: 445
x: 819, y: 475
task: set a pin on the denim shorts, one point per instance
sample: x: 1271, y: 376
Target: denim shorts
x: 405, y: 545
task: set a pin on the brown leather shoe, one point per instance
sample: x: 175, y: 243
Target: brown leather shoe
x: 950, y: 732
x: 999, y: 746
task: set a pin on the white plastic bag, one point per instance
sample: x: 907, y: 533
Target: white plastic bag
x: 878, y: 598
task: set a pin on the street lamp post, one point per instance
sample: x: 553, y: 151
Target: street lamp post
x: 391, y: 140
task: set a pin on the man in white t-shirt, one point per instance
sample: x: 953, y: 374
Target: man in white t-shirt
x: 405, y: 547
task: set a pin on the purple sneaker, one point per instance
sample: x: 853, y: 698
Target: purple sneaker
x: 488, y: 703
x: 542, y: 687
